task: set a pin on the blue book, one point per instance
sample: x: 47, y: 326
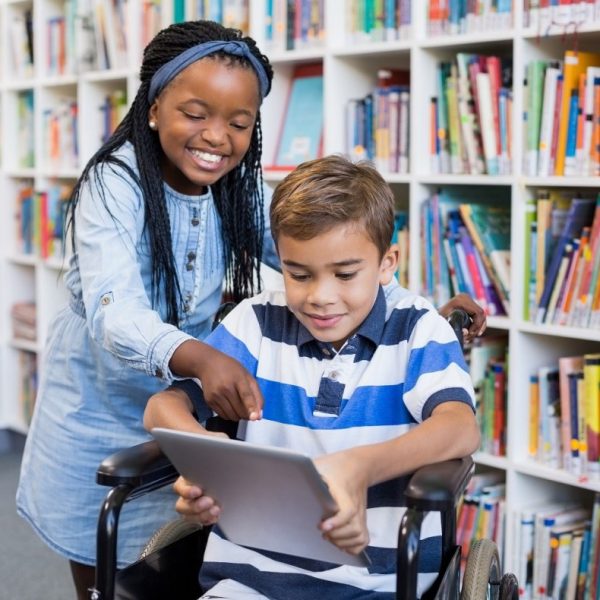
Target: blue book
x: 581, y: 213
x: 571, y: 147
x: 302, y: 130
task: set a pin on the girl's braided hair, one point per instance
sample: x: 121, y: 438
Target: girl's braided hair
x: 238, y: 195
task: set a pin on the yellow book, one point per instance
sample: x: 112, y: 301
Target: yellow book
x: 575, y: 63
x: 534, y: 414
x: 591, y: 378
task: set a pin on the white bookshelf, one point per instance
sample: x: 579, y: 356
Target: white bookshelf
x: 349, y: 72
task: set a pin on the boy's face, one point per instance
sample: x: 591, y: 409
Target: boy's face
x: 331, y: 281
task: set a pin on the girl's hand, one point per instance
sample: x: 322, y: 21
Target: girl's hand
x: 347, y: 529
x: 194, y: 505
x: 477, y: 314
x: 229, y: 390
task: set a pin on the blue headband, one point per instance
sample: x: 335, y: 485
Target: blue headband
x: 169, y: 70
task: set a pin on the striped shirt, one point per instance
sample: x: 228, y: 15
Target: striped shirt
x: 403, y: 361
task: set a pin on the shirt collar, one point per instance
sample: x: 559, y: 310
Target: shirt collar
x: 371, y: 328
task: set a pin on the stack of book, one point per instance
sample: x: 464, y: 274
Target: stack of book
x: 562, y: 116
x: 558, y: 551
x: 371, y: 21
x: 564, y: 415
x: 294, y: 24
x: 543, y: 15
x: 465, y: 247
x: 481, y: 512
x: 378, y: 124
x: 562, y: 262
x: 470, y: 116
x: 451, y: 17
x: 41, y: 220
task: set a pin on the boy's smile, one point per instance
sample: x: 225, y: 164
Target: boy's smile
x: 332, y: 280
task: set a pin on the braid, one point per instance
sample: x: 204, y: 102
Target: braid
x: 238, y: 196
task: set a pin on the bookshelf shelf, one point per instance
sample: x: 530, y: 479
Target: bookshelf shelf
x: 26, y: 345
x: 350, y: 72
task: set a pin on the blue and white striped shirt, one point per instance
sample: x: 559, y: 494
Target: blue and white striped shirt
x: 403, y: 361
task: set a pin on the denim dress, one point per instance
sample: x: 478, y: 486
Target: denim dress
x: 107, y: 352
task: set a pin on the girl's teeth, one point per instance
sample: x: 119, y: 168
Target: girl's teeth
x: 206, y: 156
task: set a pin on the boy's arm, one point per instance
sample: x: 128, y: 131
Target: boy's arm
x: 173, y: 409
x: 450, y: 432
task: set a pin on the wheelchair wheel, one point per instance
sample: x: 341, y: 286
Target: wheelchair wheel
x: 482, y: 574
x: 509, y: 587
x: 169, y: 533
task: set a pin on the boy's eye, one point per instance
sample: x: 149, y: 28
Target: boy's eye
x: 346, y: 276
x: 299, y: 276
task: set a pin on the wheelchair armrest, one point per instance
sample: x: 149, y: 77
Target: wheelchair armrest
x: 439, y: 486
x: 143, y: 468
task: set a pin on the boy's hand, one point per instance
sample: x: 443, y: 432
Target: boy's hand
x: 477, y: 314
x: 194, y: 505
x: 347, y: 529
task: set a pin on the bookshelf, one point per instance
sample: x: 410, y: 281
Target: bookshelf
x: 349, y: 68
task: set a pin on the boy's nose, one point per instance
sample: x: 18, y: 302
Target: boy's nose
x: 321, y: 294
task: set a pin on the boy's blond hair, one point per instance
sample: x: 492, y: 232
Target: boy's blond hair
x: 326, y: 192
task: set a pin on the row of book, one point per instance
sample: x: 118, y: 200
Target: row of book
x: 564, y: 415
x: 466, y: 248
x: 113, y: 110
x: 481, y: 512
x: 470, y: 120
x: 400, y: 237
x: 543, y: 15
x: 40, y: 218
x: 26, y: 139
x: 487, y: 361
x: 558, y: 551
x: 379, y: 21
x: 378, y: 124
x: 452, y: 17
x: 562, y: 116
x: 60, y: 148
x: 294, y: 24
x: 20, y: 31
x: 562, y: 259
x: 231, y: 13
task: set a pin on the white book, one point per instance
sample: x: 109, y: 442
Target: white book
x: 488, y: 130
x: 547, y: 123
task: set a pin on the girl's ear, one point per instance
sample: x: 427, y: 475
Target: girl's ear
x: 389, y: 264
x: 153, y: 112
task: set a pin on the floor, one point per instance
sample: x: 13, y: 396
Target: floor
x: 28, y: 569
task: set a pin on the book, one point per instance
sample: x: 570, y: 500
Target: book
x: 301, y: 133
x: 489, y: 228
x: 567, y: 365
x: 580, y: 214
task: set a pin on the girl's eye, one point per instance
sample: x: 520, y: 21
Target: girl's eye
x: 346, y: 276
x: 240, y: 126
x: 194, y: 117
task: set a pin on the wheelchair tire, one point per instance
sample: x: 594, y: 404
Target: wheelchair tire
x: 509, y: 587
x: 169, y: 533
x: 482, y: 574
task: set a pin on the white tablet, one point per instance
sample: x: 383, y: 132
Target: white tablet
x: 270, y: 498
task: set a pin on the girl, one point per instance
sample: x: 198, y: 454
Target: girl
x: 168, y: 208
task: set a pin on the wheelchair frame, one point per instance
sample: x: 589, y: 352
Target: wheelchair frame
x: 141, y: 469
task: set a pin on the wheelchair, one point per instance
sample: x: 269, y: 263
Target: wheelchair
x: 168, y: 568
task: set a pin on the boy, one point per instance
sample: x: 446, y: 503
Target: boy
x: 368, y: 380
